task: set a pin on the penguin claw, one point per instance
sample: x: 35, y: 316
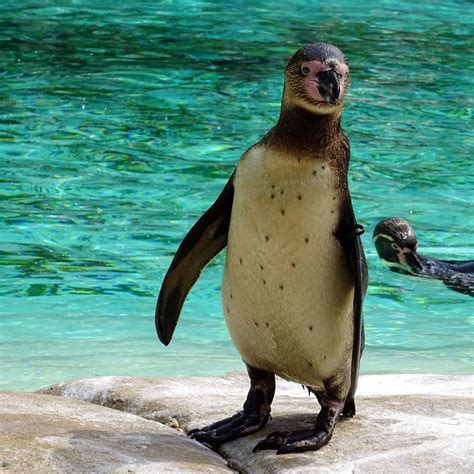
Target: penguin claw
x: 274, y: 440
x: 294, y: 442
x: 216, y: 425
x: 267, y: 444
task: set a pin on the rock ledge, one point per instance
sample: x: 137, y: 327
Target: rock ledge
x: 405, y: 423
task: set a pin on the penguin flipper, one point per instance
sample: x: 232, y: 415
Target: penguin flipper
x: 203, y: 242
x: 461, y: 266
x: 348, y: 235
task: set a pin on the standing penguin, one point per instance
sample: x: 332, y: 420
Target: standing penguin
x: 295, y: 272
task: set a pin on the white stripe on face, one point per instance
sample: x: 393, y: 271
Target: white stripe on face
x: 384, y: 236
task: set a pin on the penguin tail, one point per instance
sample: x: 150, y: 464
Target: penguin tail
x: 349, y: 409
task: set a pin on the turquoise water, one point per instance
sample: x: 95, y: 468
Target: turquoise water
x: 119, y: 125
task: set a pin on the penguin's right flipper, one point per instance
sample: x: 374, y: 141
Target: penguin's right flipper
x: 348, y: 235
x: 462, y: 266
x: 202, y: 243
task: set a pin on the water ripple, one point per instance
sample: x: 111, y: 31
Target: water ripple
x: 120, y: 123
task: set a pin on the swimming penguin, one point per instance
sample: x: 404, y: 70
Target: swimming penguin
x: 396, y: 244
x: 295, y: 273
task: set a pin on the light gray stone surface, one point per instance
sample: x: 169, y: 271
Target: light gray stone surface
x: 45, y: 434
x: 405, y: 423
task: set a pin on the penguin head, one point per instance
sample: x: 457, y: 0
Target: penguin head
x: 396, y: 244
x: 317, y: 79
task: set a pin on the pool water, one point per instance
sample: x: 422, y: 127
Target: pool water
x: 121, y: 121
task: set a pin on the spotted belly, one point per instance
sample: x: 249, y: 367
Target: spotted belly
x: 287, y: 290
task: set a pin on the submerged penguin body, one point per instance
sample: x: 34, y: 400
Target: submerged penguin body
x: 287, y: 289
x: 397, y: 246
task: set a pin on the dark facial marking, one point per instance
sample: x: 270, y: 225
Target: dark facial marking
x: 305, y: 70
x: 385, y: 249
x: 323, y: 52
x: 399, y: 230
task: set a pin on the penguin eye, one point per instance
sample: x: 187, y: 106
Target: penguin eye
x: 305, y: 70
x: 395, y: 246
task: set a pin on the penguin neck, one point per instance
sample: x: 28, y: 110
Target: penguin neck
x: 417, y: 264
x: 301, y: 131
x: 430, y: 267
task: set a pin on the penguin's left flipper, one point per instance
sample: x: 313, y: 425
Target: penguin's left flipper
x: 202, y: 243
x: 348, y: 234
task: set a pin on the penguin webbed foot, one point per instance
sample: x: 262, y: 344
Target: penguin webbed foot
x: 254, y: 416
x: 305, y: 440
x: 241, y: 424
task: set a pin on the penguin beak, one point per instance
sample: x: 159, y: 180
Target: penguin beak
x: 329, y: 86
x: 413, y: 261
